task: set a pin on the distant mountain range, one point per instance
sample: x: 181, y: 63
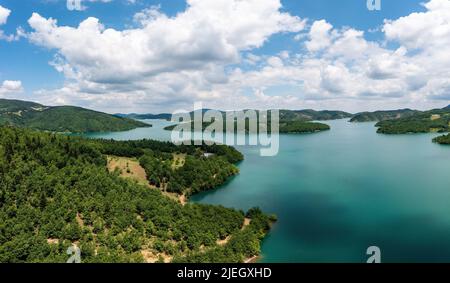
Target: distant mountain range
x: 285, y: 115
x: 61, y: 118
x: 291, y: 121
x: 77, y: 119
x: 312, y: 115
x: 162, y: 116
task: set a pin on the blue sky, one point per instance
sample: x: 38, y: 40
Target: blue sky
x: 28, y: 61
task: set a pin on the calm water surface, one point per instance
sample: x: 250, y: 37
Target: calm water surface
x: 338, y: 192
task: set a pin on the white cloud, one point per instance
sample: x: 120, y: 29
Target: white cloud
x: 320, y: 36
x: 341, y: 69
x: 275, y: 62
x: 10, y: 87
x: 4, y: 14
x: 173, y: 57
x: 427, y: 30
x: 168, y: 62
x: 207, y: 32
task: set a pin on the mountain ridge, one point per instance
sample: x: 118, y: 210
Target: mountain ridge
x: 288, y: 115
x: 72, y: 119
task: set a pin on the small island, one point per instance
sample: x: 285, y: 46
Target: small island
x: 300, y: 127
x: 285, y: 127
x: 290, y: 122
x: 445, y: 139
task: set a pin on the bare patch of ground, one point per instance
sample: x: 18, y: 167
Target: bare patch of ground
x: 251, y: 259
x: 183, y: 199
x: 131, y: 169
x: 128, y: 168
x: 435, y: 117
x: 224, y: 241
x: 178, y: 160
x: 51, y: 241
x: 246, y: 223
x: 152, y: 257
x: 227, y: 239
x: 79, y: 220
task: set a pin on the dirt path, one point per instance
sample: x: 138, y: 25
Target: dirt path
x: 246, y: 223
x: 251, y: 259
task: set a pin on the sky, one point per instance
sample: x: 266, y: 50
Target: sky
x: 124, y: 56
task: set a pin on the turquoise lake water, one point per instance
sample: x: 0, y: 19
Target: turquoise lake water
x: 338, y: 192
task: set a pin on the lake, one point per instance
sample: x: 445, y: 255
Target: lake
x: 338, y: 192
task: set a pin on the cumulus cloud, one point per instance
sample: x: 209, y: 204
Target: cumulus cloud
x: 10, y: 87
x: 168, y: 62
x: 320, y: 36
x: 207, y: 32
x: 341, y: 69
x: 165, y: 56
x: 428, y: 30
x: 4, y: 14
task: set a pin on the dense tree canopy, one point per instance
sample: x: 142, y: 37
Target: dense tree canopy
x: 61, y: 118
x: 423, y: 122
x: 285, y: 127
x: 378, y: 116
x: 55, y: 191
x: 443, y: 139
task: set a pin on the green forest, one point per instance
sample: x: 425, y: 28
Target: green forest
x: 288, y: 115
x: 445, y: 139
x: 378, y: 116
x: 61, y: 118
x: 285, y: 127
x: 55, y: 192
x: 198, y: 173
x: 299, y: 127
x: 424, y: 122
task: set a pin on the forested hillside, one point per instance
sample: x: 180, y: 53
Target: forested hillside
x: 290, y: 122
x: 285, y: 127
x: 437, y: 120
x: 378, y: 116
x: 56, y: 191
x: 61, y: 118
x: 287, y: 115
x: 196, y: 173
x: 312, y: 115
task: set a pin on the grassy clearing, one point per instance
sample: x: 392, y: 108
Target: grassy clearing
x: 128, y: 168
